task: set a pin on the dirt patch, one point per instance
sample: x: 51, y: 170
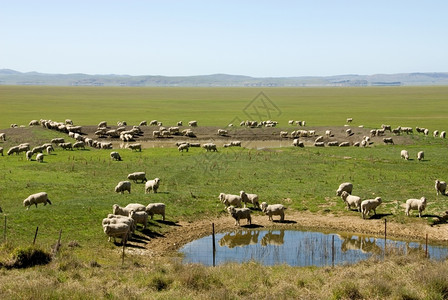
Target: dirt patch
x: 185, y: 232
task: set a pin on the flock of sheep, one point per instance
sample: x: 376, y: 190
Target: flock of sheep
x: 365, y: 206
x: 123, y: 220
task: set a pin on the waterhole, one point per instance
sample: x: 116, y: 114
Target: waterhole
x: 297, y: 248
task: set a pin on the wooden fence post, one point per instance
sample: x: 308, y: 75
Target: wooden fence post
x: 35, y: 235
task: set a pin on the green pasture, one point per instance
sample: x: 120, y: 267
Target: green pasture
x: 81, y: 184
x: 368, y: 106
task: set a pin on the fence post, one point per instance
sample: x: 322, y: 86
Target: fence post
x: 214, y: 246
x: 35, y: 235
x: 59, y: 243
x: 385, y: 236
x: 332, y: 251
x: 426, y: 248
x: 122, y: 255
x: 4, y: 232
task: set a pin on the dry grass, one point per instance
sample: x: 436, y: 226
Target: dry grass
x: 397, y: 277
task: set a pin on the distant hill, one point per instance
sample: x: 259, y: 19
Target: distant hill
x: 12, y: 77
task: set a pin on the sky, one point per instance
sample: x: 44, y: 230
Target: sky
x: 254, y: 38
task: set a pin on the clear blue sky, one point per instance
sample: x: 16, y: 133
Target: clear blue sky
x: 255, y: 38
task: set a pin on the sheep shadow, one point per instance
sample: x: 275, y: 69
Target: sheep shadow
x: 285, y: 221
x: 379, y: 216
x: 169, y: 223
x: 149, y: 234
x: 252, y: 226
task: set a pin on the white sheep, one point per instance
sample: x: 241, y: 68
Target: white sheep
x: 29, y: 155
x: 346, y: 186
x: 416, y: 204
x: 420, y: 155
x: 229, y: 199
x: 273, y: 210
x: 388, y: 140
x: 249, y: 198
x: 152, y: 185
x: 156, y: 209
x: 328, y: 133
x: 3, y: 136
x: 222, y: 132
x: 135, y: 207
x: 443, y: 134
x: 115, y: 156
x: 404, y: 154
x: 114, y: 219
x: 120, y: 230
x: 240, y: 213
x: 137, y: 176
x: 209, y: 147
x: 440, y: 187
x: 368, y: 205
x: 123, y: 186
x: 136, y: 146
x: 41, y: 197
x: 102, y: 124
x: 40, y: 157
x: 351, y: 200
x: 183, y: 147
x: 193, y: 123
x: 139, y: 217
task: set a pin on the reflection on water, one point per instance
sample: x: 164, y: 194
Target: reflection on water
x: 295, y: 248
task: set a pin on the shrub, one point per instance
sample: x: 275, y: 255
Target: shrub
x: 24, y: 257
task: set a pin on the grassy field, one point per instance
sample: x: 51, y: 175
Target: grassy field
x: 405, y: 106
x: 80, y: 185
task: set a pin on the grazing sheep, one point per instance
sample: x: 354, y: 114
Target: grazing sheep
x: 102, y: 124
x: 387, y: 127
x: 249, y: 198
x: 183, y: 147
x: 440, y: 187
x: 136, y: 147
x: 319, y: 144
x: 57, y: 140
x: 49, y: 149
x: 210, y: 147
x: 346, y: 186
x: 156, y: 209
x: 319, y: 139
x: 416, y: 204
x: 123, y: 186
x: 179, y: 123
x: 351, y: 200
x: 349, y: 120
x: 273, y: 210
x: 79, y: 145
x: 3, y: 136
x: 29, y: 155
x: 229, y: 199
x: 143, y: 123
x: 297, y: 143
x: 222, y: 132
x: 137, y: 176
x: 41, y: 197
x: 388, y: 141
x: 348, y: 132
x: 40, y: 157
x: 328, y: 133
x: 14, y: 149
x: 115, y: 156
x: 420, y: 155
x: 193, y: 123
x: 152, y: 185
x: 426, y: 131
x: 435, y: 133
x: 283, y: 134
x: 404, y: 154
x: 344, y: 144
x: 368, y: 205
x: 443, y: 134
x: 66, y: 146
x: 33, y: 123
x: 239, y: 213
x: 1, y: 151
x: 235, y: 143
x: 333, y: 144
x: 120, y: 230
x: 139, y: 217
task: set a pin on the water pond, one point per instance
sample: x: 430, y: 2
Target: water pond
x: 296, y: 248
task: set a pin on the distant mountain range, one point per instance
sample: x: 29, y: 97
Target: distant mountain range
x: 11, y: 77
